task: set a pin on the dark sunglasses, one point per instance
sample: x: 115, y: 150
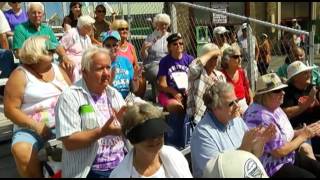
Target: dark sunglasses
x: 101, y: 11
x: 277, y: 91
x: 110, y: 45
x: 232, y: 103
x: 237, y: 56
x: 121, y: 29
x: 176, y: 44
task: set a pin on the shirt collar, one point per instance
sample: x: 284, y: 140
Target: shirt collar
x: 32, y: 26
x: 217, y: 123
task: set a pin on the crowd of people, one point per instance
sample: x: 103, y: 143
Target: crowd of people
x: 92, y: 100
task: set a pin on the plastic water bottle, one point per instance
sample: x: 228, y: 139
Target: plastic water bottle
x: 88, y: 117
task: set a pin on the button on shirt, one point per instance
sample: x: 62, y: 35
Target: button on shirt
x: 211, y: 137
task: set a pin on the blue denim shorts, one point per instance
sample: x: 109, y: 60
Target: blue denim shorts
x: 28, y: 136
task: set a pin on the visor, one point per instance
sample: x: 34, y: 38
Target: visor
x: 151, y: 128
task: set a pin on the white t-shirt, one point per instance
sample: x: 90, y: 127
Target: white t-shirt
x: 4, y: 25
x: 160, y: 173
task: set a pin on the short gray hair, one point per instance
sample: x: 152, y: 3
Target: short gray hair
x: 85, y: 20
x: 162, y: 17
x: 32, y: 4
x: 213, y: 94
x: 227, y: 53
x: 86, y: 60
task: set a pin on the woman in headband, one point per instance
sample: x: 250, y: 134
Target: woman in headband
x: 144, y: 126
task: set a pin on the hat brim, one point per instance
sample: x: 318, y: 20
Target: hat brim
x: 273, y: 89
x: 296, y: 73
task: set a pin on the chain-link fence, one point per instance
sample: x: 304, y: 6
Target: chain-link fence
x: 197, y: 24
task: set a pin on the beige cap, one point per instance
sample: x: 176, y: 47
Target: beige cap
x: 297, y: 67
x: 268, y: 82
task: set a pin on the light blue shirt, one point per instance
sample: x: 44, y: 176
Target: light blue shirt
x: 124, y: 74
x: 211, y: 137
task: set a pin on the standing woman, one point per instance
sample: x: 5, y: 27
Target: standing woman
x: 71, y: 20
x: 127, y: 49
x: 154, y: 49
x: 144, y: 126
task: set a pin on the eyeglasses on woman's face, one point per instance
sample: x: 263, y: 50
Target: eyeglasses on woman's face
x: 122, y: 29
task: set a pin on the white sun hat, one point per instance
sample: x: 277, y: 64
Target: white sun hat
x: 234, y: 164
x: 297, y: 67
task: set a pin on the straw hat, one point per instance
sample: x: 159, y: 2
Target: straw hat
x: 268, y: 82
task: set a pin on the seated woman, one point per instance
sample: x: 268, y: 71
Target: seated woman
x: 301, y: 99
x: 71, y: 20
x: 75, y: 42
x: 173, y: 76
x: 281, y: 157
x: 235, y: 75
x: 30, y: 97
x: 144, y: 126
x: 154, y: 48
x: 101, y: 25
x: 124, y: 78
x: 127, y: 49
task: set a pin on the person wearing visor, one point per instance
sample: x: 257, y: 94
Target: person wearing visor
x: 31, y: 94
x: 284, y: 155
x: 144, y: 125
x: 221, y: 128
x: 124, y: 77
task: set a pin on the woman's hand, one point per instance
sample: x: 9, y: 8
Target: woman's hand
x: 42, y: 130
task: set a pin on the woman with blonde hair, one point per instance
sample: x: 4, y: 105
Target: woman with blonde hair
x: 144, y: 125
x: 127, y: 49
x: 30, y: 97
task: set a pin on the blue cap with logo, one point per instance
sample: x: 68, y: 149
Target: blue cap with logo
x: 110, y: 34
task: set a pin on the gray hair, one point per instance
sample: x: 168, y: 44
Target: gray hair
x: 32, y: 49
x: 32, y: 4
x: 162, y: 17
x: 86, y: 60
x: 138, y: 114
x: 85, y: 20
x: 227, y: 54
x: 213, y: 95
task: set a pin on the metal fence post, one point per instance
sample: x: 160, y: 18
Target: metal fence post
x: 173, y: 15
x: 129, y: 20
x: 251, y: 57
x: 311, y: 44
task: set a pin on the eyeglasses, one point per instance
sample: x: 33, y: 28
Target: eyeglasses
x: 101, y: 11
x: 232, y: 103
x: 277, y: 91
x: 176, y: 44
x: 110, y: 45
x: 122, y: 29
x: 237, y: 56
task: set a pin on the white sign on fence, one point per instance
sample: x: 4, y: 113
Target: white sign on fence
x: 219, y: 18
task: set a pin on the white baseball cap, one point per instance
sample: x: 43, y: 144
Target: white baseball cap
x: 297, y: 67
x: 220, y: 30
x: 234, y: 164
